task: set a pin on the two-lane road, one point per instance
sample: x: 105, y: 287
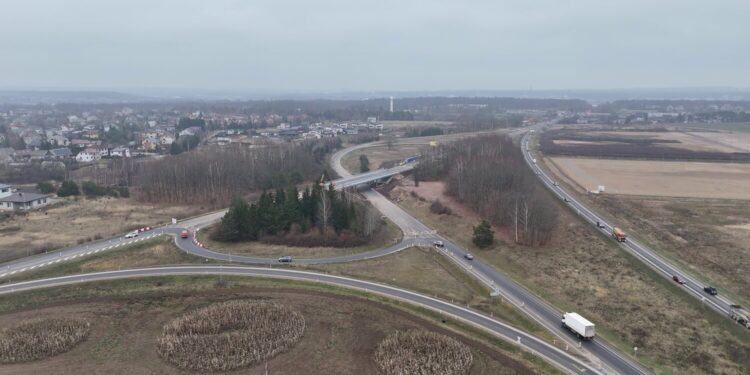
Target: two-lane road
x: 597, y: 351
x: 562, y: 360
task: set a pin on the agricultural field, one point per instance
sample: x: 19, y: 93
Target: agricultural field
x: 79, y: 220
x: 579, y: 270
x: 656, y: 178
x: 649, y: 143
x: 341, y: 331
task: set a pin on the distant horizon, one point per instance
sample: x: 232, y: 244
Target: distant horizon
x: 593, y: 96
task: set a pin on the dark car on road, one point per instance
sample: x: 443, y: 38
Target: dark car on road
x: 678, y: 280
x: 711, y: 290
x: 285, y: 259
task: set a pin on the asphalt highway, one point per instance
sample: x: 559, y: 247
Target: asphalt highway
x: 643, y: 253
x: 564, y: 361
x: 601, y: 354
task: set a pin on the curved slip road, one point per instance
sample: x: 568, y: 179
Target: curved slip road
x: 641, y: 252
x: 562, y: 360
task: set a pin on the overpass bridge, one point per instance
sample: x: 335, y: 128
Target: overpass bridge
x: 372, y: 176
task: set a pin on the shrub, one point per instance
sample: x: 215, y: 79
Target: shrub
x: 39, y: 339
x: 437, y: 207
x: 45, y: 187
x: 230, y: 335
x: 422, y: 352
x: 68, y: 188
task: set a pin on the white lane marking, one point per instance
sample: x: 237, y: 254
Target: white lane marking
x: 22, y: 269
x: 12, y: 272
x: 89, y: 253
x: 66, y: 258
x: 32, y: 267
x: 57, y: 261
x: 3, y: 275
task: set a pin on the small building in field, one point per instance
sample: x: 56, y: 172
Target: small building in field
x: 21, y: 200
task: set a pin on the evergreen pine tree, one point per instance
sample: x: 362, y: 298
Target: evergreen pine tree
x: 483, y: 234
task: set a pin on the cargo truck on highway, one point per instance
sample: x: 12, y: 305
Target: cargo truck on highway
x: 579, y: 325
x: 618, y: 234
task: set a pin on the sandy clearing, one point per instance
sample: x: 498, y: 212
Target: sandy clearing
x: 659, y: 178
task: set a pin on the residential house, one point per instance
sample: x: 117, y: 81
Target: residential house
x: 120, y: 152
x: 23, y: 201
x: 166, y: 139
x: 20, y: 200
x: 88, y: 155
x: 59, y: 153
x: 150, y: 144
x: 193, y: 130
x: 58, y: 140
x: 25, y: 156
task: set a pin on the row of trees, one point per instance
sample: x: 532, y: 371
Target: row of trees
x: 214, y: 175
x: 489, y: 175
x: 291, y: 211
x: 89, y: 188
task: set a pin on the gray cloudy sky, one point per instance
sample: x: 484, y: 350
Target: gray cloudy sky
x: 328, y: 45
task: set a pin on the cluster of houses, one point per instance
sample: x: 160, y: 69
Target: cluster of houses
x: 10, y: 156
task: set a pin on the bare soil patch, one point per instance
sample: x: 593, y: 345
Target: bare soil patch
x: 340, y: 337
x: 658, y: 178
x: 71, y: 221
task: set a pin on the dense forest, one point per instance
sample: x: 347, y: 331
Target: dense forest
x: 313, y: 217
x: 214, y: 175
x: 489, y: 175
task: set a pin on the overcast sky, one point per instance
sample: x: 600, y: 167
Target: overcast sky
x: 327, y: 45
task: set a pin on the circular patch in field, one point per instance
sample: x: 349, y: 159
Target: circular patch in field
x: 37, y: 339
x: 230, y: 335
x: 422, y: 352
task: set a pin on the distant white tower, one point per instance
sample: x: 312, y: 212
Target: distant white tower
x: 391, y: 104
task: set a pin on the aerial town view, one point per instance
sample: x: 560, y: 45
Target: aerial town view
x: 394, y: 188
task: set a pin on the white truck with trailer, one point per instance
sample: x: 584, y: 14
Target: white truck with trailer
x: 579, y: 325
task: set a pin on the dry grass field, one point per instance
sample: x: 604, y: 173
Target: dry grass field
x: 582, y: 271
x: 71, y: 221
x: 709, y: 236
x: 658, y: 178
x: 341, y: 333
x: 379, y: 155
